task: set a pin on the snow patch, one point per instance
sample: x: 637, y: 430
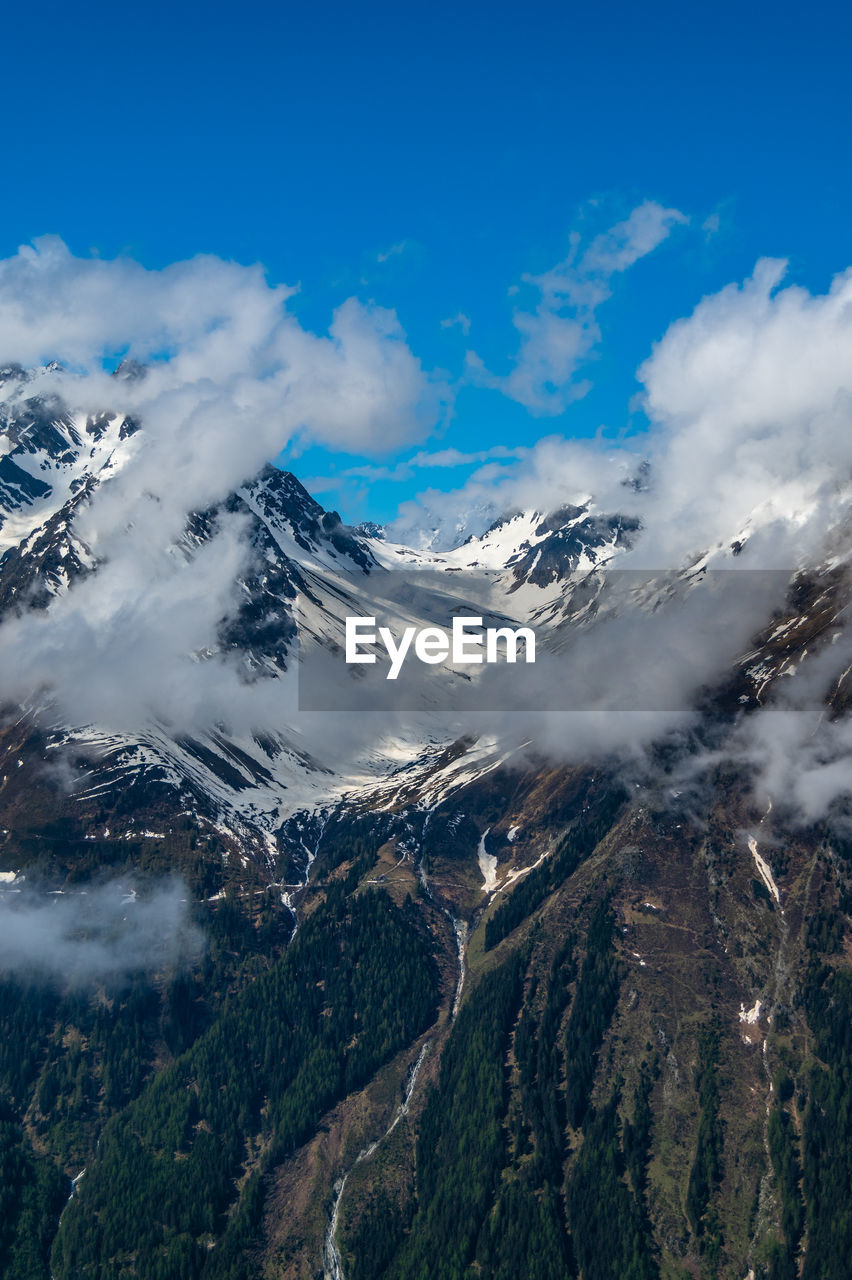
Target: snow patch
x: 764, y: 870
x: 487, y: 865
x: 517, y: 872
x: 752, y: 1015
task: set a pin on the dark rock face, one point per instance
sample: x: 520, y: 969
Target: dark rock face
x: 285, y: 503
x: 564, y: 549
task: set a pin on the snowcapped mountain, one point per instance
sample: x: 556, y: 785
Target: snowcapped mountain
x: 507, y: 844
x: 50, y: 463
x: 55, y: 460
x: 253, y: 787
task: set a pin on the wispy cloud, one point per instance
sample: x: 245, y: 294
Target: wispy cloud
x: 460, y: 319
x: 393, y: 252
x: 562, y: 331
x: 458, y: 458
x: 422, y: 460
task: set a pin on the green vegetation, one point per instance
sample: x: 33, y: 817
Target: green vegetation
x: 32, y: 1192
x: 707, y: 1166
x: 827, y: 1145
x: 783, y: 1150
x: 376, y: 1238
x: 540, y: 1151
x: 526, y: 1233
x: 493, y: 1153
x: 591, y: 1013
x: 462, y: 1144
x: 355, y: 840
x: 540, y: 1053
x: 610, y: 1229
x: 637, y: 1132
x: 575, y: 846
x: 355, y: 986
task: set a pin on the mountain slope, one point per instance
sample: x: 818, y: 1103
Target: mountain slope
x: 248, y: 783
x: 471, y: 1005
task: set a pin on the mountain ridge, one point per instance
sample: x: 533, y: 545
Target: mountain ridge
x: 584, y: 1009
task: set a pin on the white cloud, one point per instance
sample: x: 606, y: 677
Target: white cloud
x: 617, y: 249
x: 749, y: 402
x: 393, y: 252
x: 241, y: 377
x: 229, y: 340
x: 552, y: 472
x: 232, y: 376
x: 458, y: 458
x: 122, y: 647
x: 797, y: 756
x: 402, y: 471
x: 562, y: 331
x: 460, y: 319
x: 103, y: 934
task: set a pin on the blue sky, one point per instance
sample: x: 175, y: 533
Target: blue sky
x: 429, y: 157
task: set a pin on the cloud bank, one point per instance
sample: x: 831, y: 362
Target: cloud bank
x: 231, y: 377
x: 748, y: 450
x: 749, y: 407
x: 104, y: 933
x: 748, y: 446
